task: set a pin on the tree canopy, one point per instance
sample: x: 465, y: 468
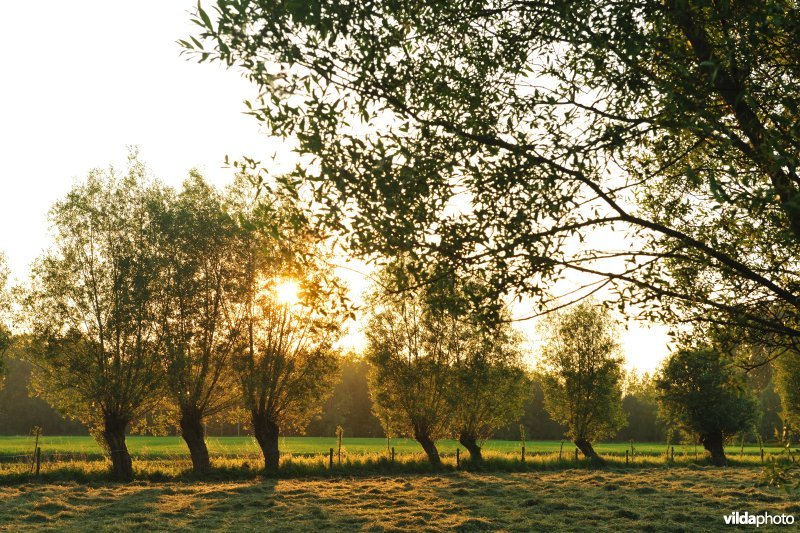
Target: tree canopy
x: 292, y: 309
x: 438, y: 368
x: 582, y: 374
x: 95, y: 307
x: 497, y: 136
x: 5, y: 309
x: 703, y: 393
x: 201, y: 249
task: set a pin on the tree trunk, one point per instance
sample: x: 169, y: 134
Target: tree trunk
x: 194, y: 435
x: 471, y: 444
x: 114, y: 437
x: 266, y: 432
x: 714, y: 443
x: 428, y: 445
x: 588, y: 451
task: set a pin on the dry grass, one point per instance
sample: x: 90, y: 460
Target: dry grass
x: 655, y: 499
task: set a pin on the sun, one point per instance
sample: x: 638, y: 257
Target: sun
x: 287, y: 292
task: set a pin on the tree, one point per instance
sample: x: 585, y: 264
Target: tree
x: 582, y: 375
x: 201, y: 247
x: 21, y: 411
x: 488, y: 382
x: 702, y: 392
x: 640, y: 410
x: 487, y: 392
x: 494, y: 135
x: 410, y: 378
x: 438, y: 367
x: 536, y: 422
x: 285, y: 362
x: 349, y: 405
x: 788, y: 385
x: 5, y: 308
x: 96, y: 309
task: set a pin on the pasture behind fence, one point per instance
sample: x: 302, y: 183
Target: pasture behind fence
x: 40, y: 460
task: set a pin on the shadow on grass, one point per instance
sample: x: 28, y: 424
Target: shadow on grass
x: 612, y: 499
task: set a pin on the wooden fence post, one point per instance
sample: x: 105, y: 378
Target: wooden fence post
x: 38, y: 460
x: 458, y: 458
x: 762, y: 456
x: 330, y: 458
x: 576, y: 455
x: 392, y: 454
x: 672, y: 454
x: 523, y: 454
x: 626, y: 457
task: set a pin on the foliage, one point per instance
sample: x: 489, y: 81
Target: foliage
x: 498, y: 136
x: 409, y: 349
x: 349, y: 405
x: 94, y: 301
x: 784, y: 476
x: 5, y: 308
x: 538, y: 423
x: 788, y: 385
x: 703, y: 393
x: 640, y: 410
x: 201, y: 249
x: 582, y: 373
x: 284, y: 359
x: 488, y: 383
x: 438, y: 368
x: 95, y: 306
x: 20, y: 411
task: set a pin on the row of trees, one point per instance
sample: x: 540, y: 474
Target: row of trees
x: 191, y: 301
x: 505, y: 138
x: 180, y: 304
x: 161, y: 306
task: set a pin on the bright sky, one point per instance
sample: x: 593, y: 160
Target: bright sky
x: 81, y: 80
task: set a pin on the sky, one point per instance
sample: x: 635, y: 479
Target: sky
x: 85, y: 79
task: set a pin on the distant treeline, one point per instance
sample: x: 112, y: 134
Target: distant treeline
x: 350, y: 407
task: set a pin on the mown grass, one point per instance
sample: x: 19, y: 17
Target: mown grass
x: 644, y: 499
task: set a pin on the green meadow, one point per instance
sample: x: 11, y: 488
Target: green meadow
x: 153, y: 448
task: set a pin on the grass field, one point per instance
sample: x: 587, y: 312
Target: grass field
x: 678, y: 499
x: 144, y: 448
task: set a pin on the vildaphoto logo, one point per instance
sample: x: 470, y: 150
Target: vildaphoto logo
x: 746, y: 519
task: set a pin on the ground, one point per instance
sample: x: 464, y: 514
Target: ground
x: 657, y: 499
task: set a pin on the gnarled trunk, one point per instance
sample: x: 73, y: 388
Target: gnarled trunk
x: 471, y: 444
x: 266, y: 432
x: 114, y: 438
x: 714, y: 443
x: 588, y: 451
x: 194, y: 435
x: 428, y: 445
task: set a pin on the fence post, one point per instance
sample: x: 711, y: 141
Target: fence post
x: 458, y: 458
x: 560, y: 451
x: 392, y: 454
x: 38, y: 460
x: 762, y: 456
x: 330, y: 458
x: 672, y: 454
x: 523, y: 454
x: 626, y: 457
x: 576, y: 455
